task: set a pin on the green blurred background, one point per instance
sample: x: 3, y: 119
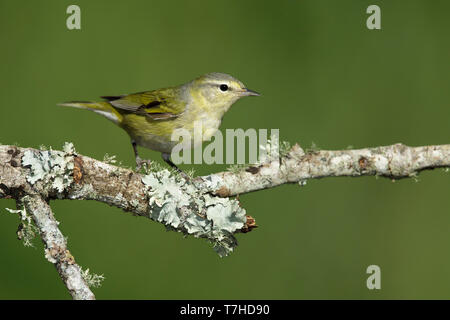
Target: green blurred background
x: 325, y: 78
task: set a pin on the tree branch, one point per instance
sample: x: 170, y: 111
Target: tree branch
x: 56, y: 250
x: 394, y: 162
x: 201, y: 207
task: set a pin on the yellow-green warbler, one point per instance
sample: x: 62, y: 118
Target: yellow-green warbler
x: 151, y: 117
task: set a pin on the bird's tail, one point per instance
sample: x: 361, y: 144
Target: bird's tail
x: 103, y: 108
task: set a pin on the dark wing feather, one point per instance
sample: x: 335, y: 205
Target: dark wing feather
x: 112, y: 98
x: 160, y: 104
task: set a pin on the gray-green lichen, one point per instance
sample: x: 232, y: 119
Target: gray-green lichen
x: 182, y: 206
x: 92, y: 279
x: 110, y: 159
x: 27, y: 230
x: 236, y: 168
x: 313, y: 149
x: 53, y: 168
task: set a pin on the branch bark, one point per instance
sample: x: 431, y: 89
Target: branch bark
x: 56, y: 250
x: 394, y: 162
x: 201, y: 207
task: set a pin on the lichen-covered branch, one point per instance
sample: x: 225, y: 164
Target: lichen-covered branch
x: 297, y: 166
x: 56, y: 250
x: 201, y: 207
x: 162, y: 196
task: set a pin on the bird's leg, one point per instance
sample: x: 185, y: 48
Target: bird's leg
x: 139, y: 161
x: 166, y: 158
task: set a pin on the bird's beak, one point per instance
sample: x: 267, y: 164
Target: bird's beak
x: 248, y: 92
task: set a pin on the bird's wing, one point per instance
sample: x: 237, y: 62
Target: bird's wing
x: 159, y: 104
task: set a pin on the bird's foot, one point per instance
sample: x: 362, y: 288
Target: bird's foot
x: 166, y: 158
x: 141, y: 162
x: 184, y: 175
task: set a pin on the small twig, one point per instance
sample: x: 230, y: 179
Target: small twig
x: 56, y: 250
x: 394, y: 162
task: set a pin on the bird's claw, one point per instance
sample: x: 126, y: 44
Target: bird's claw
x: 147, y: 162
x: 184, y: 175
x: 140, y: 162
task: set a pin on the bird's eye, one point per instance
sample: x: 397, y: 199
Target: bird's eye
x: 223, y: 87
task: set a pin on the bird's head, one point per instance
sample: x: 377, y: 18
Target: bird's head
x: 218, y: 91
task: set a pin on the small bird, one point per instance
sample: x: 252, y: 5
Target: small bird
x: 151, y: 117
